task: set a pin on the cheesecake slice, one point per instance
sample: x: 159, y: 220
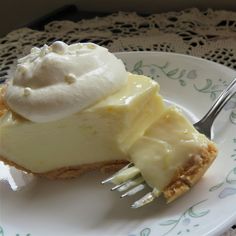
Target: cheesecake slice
x: 70, y: 109
x: 97, y: 136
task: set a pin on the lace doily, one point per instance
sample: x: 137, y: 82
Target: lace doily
x: 210, y: 35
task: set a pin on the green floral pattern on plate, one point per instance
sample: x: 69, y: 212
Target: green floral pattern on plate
x: 229, y: 180
x: 3, y: 234
x: 155, y: 71
x: 233, y: 116
x: 1, y: 231
x: 212, y: 87
x: 185, y: 218
x: 143, y: 232
x: 182, y: 75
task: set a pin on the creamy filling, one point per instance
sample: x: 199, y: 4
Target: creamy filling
x: 54, y: 82
x: 102, y: 132
x: 165, y: 147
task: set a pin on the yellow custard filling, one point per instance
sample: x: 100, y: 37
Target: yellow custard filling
x: 103, y: 132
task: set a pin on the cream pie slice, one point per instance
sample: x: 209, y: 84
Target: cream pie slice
x: 98, y: 135
x: 70, y: 109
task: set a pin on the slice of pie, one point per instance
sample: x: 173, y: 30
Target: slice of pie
x: 72, y: 109
x: 93, y: 138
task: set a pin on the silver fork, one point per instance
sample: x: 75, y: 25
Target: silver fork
x: 129, y: 181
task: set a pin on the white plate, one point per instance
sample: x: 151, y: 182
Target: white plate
x: 85, y: 207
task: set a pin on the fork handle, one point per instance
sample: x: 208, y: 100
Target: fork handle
x: 220, y: 102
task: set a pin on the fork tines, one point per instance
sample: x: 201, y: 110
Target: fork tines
x: 130, y: 181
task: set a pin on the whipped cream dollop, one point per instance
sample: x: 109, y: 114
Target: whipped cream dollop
x: 56, y: 81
